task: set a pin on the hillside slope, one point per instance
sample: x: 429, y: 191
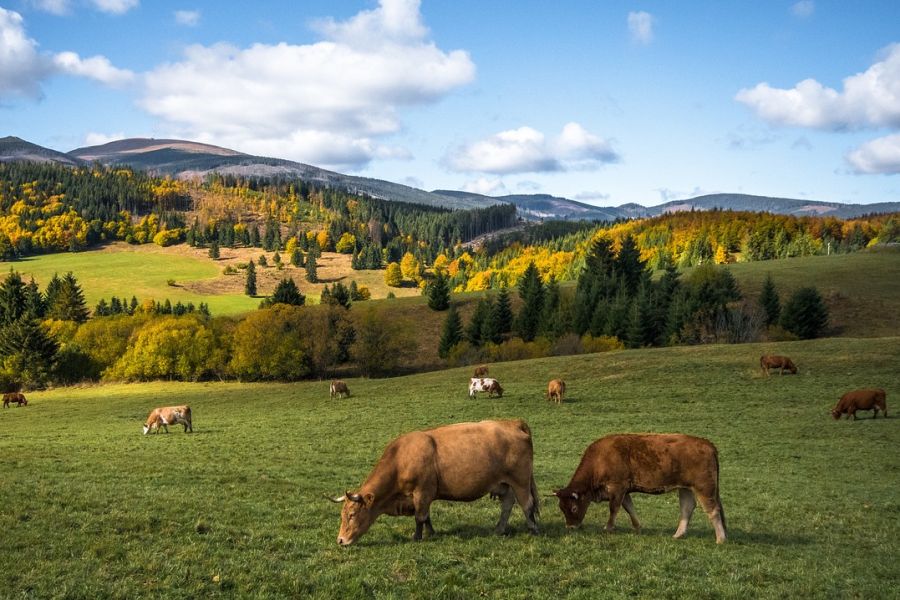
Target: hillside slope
x: 16, y: 149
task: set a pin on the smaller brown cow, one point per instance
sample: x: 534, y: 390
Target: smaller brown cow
x: 339, y: 389
x: 851, y: 402
x: 783, y: 363
x: 17, y: 397
x: 651, y: 463
x: 169, y: 415
x: 555, y: 390
x: 481, y: 371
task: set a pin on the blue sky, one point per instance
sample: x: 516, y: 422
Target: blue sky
x: 607, y: 102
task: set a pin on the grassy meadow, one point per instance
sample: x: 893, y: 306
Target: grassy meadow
x: 90, y: 508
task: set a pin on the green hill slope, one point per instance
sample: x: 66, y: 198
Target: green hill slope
x: 236, y: 508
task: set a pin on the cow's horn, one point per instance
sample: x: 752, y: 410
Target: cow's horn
x: 354, y: 497
x: 341, y: 499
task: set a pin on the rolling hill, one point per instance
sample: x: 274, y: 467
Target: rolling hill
x: 14, y: 149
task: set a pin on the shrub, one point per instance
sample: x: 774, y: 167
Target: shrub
x: 269, y: 344
x: 166, y: 348
x: 805, y: 314
x: 603, y: 343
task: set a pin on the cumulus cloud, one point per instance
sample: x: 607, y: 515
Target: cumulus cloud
x: 54, y: 7
x: 115, y: 7
x: 881, y: 155
x: 97, y: 68
x: 97, y: 139
x: 188, y: 18
x: 868, y: 99
x: 527, y: 150
x: 23, y: 68
x: 486, y: 187
x: 327, y: 103
x: 640, y: 25
x: 803, y: 9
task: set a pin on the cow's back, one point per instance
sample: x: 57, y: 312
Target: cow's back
x: 472, y: 458
x: 654, y: 463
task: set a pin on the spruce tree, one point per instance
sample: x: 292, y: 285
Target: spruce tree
x: 805, y: 314
x: 451, y: 334
x: 35, y: 307
x: 297, y: 257
x: 286, y: 292
x: 340, y: 294
x: 311, y: 268
x: 769, y: 302
x: 550, y: 318
x: 502, y: 315
x: 475, y: 328
x: 52, y: 291
x: 354, y: 291
x: 214, y: 250
x: 13, y: 298
x: 629, y: 266
x: 250, y: 283
x: 531, y: 290
x: 28, y: 350
x: 439, y: 293
x: 69, y: 304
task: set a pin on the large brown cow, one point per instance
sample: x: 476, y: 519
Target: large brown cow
x: 782, y: 363
x: 339, y: 388
x: 460, y: 462
x: 17, y: 397
x: 555, y: 390
x: 169, y: 415
x: 654, y: 463
x: 851, y: 402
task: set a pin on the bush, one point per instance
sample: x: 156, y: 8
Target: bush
x: 603, y: 343
x: 166, y: 348
x: 168, y: 237
x: 805, y: 314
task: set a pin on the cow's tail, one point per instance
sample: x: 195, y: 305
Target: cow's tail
x: 718, y: 492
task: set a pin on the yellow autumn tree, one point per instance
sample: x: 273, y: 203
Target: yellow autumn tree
x: 393, y: 276
x: 410, y: 267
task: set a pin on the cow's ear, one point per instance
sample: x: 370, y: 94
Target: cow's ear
x: 368, y: 500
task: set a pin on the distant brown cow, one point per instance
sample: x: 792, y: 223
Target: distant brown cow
x: 339, y: 389
x: 481, y: 371
x: 782, y: 363
x: 851, y: 402
x: 555, y: 390
x: 169, y: 415
x: 17, y: 397
x: 460, y: 462
x: 616, y: 465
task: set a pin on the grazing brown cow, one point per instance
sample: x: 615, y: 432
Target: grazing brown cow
x: 771, y: 361
x: 17, y: 397
x: 481, y: 371
x: 653, y: 463
x: 169, y: 415
x: 460, y: 462
x: 339, y: 389
x: 851, y: 402
x: 555, y: 390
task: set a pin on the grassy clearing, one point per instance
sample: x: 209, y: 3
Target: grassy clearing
x: 90, y: 508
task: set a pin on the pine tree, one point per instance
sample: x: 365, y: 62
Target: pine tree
x: 297, y: 257
x: 28, y: 350
x: 286, y: 292
x: 250, y: 283
x: 550, y: 318
x: 451, y: 334
x: 311, y: 268
x: 263, y: 262
x: 214, y: 250
x: 769, y: 301
x: 13, y: 298
x: 629, y: 266
x: 69, y: 304
x: 133, y: 305
x: 531, y: 290
x: 439, y: 293
x: 102, y: 309
x: 475, y: 329
x: 502, y: 315
x: 52, y: 291
x: 340, y: 295
x: 805, y: 314
x: 35, y: 307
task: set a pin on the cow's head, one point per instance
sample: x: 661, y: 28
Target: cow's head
x: 356, y: 516
x: 573, y: 505
x: 146, y: 428
x: 836, y: 413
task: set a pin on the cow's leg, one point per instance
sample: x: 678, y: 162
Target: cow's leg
x: 688, y: 502
x: 628, y: 505
x: 615, y: 501
x: 712, y: 504
x: 507, y: 500
x: 527, y: 501
x: 422, y: 507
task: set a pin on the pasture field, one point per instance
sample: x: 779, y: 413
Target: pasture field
x: 90, y: 508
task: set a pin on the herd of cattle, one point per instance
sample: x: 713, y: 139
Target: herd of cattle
x: 466, y: 461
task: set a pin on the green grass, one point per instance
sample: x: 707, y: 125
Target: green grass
x: 127, y: 271
x: 90, y: 508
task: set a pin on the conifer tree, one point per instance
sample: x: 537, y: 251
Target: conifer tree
x: 451, y: 334
x: 69, y: 304
x: 439, y: 293
x: 35, y: 307
x: 805, y: 314
x: 214, y: 250
x: 475, y: 329
x: 769, y: 301
x: 501, y: 315
x: 250, y: 282
x: 297, y: 257
x: 550, y: 319
x: 52, y: 291
x: 531, y: 290
x: 286, y: 292
x: 28, y: 350
x: 13, y: 298
x: 311, y: 268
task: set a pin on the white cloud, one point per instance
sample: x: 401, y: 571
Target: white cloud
x: 640, y: 24
x: 115, y: 7
x: 589, y: 196
x: 22, y: 67
x: 96, y: 139
x: 881, y: 155
x: 54, y: 7
x: 326, y: 103
x: 526, y: 150
x: 486, y: 187
x: 188, y: 18
x: 869, y: 99
x: 97, y: 68
x: 803, y: 9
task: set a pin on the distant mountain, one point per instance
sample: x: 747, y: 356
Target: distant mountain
x: 16, y: 149
x: 535, y: 207
x: 191, y: 159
